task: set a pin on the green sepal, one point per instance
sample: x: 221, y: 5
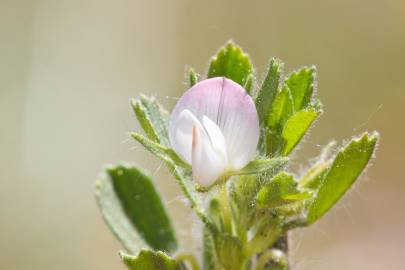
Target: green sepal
x: 268, y: 90
x: 150, y: 260
x: 281, y: 190
x: 259, y: 166
x: 231, y: 62
x: 152, y: 118
x: 345, y: 169
x: 123, y: 193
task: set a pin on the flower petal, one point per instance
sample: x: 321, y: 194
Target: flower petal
x: 228, y: 105
x: 208, y: 163
x: 217, y: 139
x: 181, y: 134
x: 239, y: 122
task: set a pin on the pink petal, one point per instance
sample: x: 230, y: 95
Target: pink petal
x: 226, y: 104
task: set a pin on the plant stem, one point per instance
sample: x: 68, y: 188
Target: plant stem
x: 226, y: 211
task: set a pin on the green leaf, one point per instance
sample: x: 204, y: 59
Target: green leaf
x: 115, y: 216
x: 243, y: 190
x: 165, y: 153
x: 153, y: 119
x: 273, y: 142
x: 347, y: 166
x: 123, y: 195
x: 281, y: 110
x: 150, y: 260
x: 192, y: 77
x: 214, y: 212
x: 249, y: 84
x: 279, y: 191
x: 229, y: 250
x: 267, y: 232
x: 268, y: 90
x: 210, y: 259
x: 260, y: 166
x: 231, y: 62
x: 313, y: 176
x: 296, y: 127
x: 301, y: 85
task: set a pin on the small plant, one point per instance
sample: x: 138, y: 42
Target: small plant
x: 227, y: 143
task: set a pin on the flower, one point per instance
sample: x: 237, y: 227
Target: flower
x: 215, y: 128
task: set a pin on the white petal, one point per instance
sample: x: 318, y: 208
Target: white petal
x: 207, y: 163
x: 216, y: 137
x: 181, y: 132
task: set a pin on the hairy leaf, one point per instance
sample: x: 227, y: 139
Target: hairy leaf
x: 124, y: 193
x: 165, y: 153
x: 210, y: 259
x: 150, y: 260
x: 229, y: 250
x: 281, y: 110
x: 279, y: 191
x: 268, y: 90
x: 301, y: 85
x: 296, y: 127
x: 267, y: 232
x: 347, y: 166
x: 249, y: 84
x: 231, y: 62
x: 192, y: 77
x: 153, y: 119
x: 313, y: 177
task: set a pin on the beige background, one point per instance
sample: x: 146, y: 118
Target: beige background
x: 68, y: 69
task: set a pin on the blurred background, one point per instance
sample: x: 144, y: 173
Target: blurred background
x: 67, y: 72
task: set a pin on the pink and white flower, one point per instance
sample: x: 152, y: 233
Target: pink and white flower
x: 215, y: 128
